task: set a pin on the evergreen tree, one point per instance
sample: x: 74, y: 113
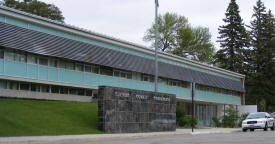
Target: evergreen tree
x: 233, y: 40
x: 257, y: 30
x: 261, y: 84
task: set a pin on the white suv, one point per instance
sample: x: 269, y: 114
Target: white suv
x: 258, y: 120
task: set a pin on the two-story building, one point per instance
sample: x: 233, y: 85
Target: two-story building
x: 45, y: 59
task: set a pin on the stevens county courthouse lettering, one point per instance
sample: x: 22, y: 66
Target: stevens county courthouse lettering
x: 45, y: 59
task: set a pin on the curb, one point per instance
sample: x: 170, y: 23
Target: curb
x: 33, y: 139
x: 215, y: 132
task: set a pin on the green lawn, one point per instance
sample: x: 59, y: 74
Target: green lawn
x: 34, y: 118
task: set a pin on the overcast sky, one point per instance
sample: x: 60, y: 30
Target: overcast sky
x: 129, y: 19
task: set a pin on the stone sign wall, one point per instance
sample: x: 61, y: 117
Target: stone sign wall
x: 130, y: 111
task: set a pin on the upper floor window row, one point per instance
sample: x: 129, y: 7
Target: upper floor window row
x: 13, y: 55
x: 19, y: 56
x: 217, y: 90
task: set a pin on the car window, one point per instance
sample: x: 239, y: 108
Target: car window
x: 256, y: 115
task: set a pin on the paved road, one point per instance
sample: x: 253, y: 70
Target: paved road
x: 257, y: 137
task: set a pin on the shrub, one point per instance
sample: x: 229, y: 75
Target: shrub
x: 180, y: 113
x: 241, y: 118
x: 231, y: 117
x: 187, y: 121
x: 217, y: 121
x: 182, y: 119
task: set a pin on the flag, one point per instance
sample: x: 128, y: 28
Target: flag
x: 157, y: 3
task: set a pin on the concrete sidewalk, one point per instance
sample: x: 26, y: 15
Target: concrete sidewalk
x: 32, y: 139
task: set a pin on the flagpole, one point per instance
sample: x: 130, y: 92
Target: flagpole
x: 156, y: 45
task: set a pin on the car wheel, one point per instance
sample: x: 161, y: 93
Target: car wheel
x: 244, y: 130
x: 251, y: 129
x: 265, y: 128
x: 272, y: 128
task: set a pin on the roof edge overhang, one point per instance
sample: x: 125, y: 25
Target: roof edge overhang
x: 108, y: 39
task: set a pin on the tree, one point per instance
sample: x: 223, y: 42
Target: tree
x: 36, y: 7
x: 195, y: 43
x: 176, y: 36
x: 234, y: 41
x: 261, y: 83
x: 231, y: 117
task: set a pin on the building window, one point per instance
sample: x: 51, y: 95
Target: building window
x: 20, y: 57
x: 44, y: 88
x: 79, y: 67
x: 117, y: 73
x: 9, y: 55
x: 81, y: 92
x: 162, y: 81
x: 70, y: 65
x: 62, y: 64
x: 73, y: 91
x: 88, y: 68
x: 31, y: 59
x: 95, y: 69
x: 171, y: 83
x: 12, y: 85
x: 1, y: 53
x: 129, y: 75
x: 147, y: 78
x: 64, y: 90
x: 3, y: 84
x: 24, y: 86
x: 137, y: 76
x: 55, y: 89
x: 35, y: 88
x: 106, y: 71
x: 89, y: 92
x: 52, y: 62
x: 123, y: 74
x: 43, y: 61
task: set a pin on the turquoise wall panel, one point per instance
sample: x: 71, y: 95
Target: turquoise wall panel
x: 53, y: 74
x: 106, y: 81
x: 78, y: 77
x: 34, y: 27
x: 1, y: 66
x: 216, y: 97
x: 178, y: 91
x: 15, y: 69
x: 95, y: 79
x: 68, y: 76
x: 98, y: 80
x: 43, y: 73
x: 88, y: 79
x: 32, y: 71
x: 17, y: 22
x: 2, y: 18
x: 111, y: 46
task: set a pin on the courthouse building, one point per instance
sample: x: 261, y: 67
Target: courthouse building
x: 45, y: 59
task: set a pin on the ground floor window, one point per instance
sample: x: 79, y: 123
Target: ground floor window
x: 24, y: 86
x: 16, y: 85
x: 203, y: 112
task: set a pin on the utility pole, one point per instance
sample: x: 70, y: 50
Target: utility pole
x: 192, y: 94
x: 156, y: 45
